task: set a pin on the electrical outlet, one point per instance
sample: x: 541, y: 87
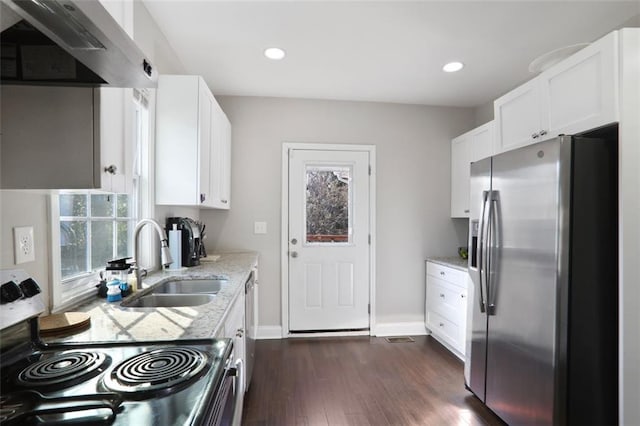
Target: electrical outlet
x: 23, y: 244
x: 260, y: 227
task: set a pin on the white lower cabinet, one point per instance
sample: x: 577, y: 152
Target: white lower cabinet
x: 446, y: 306
x: 234, y: 329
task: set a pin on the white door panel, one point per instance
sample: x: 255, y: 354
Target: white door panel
x: 329, y: 230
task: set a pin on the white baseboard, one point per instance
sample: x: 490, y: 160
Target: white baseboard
x: 400, y: 329
x: 267, y: 332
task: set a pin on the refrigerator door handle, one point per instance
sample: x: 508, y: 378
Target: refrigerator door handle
x: 492, y: 228
x: 480, y: 250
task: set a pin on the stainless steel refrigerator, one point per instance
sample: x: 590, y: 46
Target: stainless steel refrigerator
x: 542, y: 344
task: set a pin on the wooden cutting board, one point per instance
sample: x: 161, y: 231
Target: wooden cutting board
x: 67, y: 323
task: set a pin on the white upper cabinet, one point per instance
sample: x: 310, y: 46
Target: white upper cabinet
x: 115, y: 169
x: 517, y: 117
x: 580, y: 93
x: 220, y: 159
x: 575, y: 95
x: 460, y: 175
x: 465, y: 149
x: 193, y: 138
x: 482, y: 141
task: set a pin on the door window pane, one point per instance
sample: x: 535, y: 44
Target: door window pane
x: 102, y: 205
x: 101, y: 243
x: 73, y: 247
x: 328, y: 204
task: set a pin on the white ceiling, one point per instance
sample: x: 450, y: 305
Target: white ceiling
x: 384, y: 51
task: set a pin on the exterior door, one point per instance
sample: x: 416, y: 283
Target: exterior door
x: 329, y: 228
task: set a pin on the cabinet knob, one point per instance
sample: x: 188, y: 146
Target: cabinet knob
x: 294, y: 254
x: 466, y: 211
x: 111, y: 169
x: 442, y: 273
x: 542, y: 132
x: 224, y: 201
x: 240, y: 332
x: 442, y: 295
x: 441, y: 324
x: 203, y: 197
x: 535, y: 136
x: 462, y: 296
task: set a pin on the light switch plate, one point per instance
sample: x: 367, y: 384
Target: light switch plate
x: 23, y: 244
x: 260, y: 227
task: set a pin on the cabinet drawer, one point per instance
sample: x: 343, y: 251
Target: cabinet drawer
x: 446, y: 330
x: 451, y: 275
x: 442, y: 298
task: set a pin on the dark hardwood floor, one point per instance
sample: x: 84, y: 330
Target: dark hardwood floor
x: 359, y: 381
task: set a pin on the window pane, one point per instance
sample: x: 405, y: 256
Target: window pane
x: 123, y: 229
x: 122, y: 205
x: 328, y: 204
x: 102, y: 205
x: 73, y: 247
x: 101, y: 243
x: 73, y: 205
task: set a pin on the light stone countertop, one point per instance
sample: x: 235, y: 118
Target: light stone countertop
x: 110, y: 321
x: 455, y: 262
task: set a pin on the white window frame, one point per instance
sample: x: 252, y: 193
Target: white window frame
x: 70, y: 292
x: 74, y: 289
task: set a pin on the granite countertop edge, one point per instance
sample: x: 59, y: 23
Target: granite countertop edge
x: 455, y: 262
x: 113, y: 322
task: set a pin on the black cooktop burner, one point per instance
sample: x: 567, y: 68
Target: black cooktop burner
x: 64, y: 369
x: 160, y: 369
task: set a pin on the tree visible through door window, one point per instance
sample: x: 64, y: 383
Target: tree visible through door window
x: 328, y: 204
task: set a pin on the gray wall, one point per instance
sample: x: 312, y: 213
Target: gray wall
x: 483, y: 114
x: 413, y: 174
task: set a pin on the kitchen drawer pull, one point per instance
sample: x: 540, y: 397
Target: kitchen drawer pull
x: 442, y: 273
x: 441, y: 324
x: 542, y: 132
x: 442, y: 295
x: 224, y: 201
x: 535, y: 136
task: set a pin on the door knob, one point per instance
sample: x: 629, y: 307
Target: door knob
x: 294, y: 254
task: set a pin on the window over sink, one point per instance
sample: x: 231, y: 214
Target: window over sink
x: 88, y: 228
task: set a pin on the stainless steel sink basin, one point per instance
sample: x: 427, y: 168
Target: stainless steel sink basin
x: 168, y: 300
x: 206, y: 286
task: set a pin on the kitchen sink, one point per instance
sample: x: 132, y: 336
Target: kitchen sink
x: 201, y: 286
x: 168, y: 300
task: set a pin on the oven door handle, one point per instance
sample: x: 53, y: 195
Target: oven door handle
x: 236, y: 420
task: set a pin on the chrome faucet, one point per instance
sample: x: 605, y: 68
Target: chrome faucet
x: 165, y: 255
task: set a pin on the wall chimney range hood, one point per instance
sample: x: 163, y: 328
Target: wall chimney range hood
x: 71, y: 43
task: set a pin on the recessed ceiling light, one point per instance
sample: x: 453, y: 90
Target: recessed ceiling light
x: 274, y: 53
x: 453, y: 67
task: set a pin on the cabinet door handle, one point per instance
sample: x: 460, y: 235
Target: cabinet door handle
x: 466, y: 211
x: 535, y: 136
x: 203, y: 197
x: 224, y: 201
x: 542, y: 132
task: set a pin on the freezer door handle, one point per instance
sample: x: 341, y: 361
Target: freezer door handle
x: 491, y: 257
x: 480, y: 251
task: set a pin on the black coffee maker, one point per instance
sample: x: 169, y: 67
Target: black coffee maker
x: 191, y: 239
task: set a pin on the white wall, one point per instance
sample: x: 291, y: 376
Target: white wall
x: 413, y: 152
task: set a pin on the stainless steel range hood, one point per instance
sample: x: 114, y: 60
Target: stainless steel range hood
x: 65, y: 42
